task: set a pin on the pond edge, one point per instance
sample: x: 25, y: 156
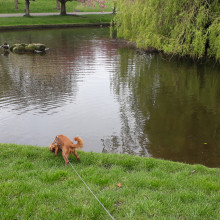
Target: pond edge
x: 51, y: 26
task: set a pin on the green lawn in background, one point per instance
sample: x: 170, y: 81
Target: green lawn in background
x: 39, y: 6
x: 56, y: 19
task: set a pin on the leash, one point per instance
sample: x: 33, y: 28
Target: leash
x: 84, y: 181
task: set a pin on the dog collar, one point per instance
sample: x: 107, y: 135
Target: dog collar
x: 59, y: 145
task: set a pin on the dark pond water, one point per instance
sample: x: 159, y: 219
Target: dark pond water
x: 116, y: 99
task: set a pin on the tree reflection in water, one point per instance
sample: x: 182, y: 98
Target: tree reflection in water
x: 118, y: 99
x: 169, y: 109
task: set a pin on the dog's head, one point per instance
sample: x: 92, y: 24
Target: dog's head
x: 52, y: 147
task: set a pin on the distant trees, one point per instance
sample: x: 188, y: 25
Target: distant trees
x: 58, y: 5
x: 27, y: 5
x: 63, y: 6
x: 16, y: 4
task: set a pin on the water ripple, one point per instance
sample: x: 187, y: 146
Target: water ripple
x: 117, y: 100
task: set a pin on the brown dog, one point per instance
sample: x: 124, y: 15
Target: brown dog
x: 64, y: 144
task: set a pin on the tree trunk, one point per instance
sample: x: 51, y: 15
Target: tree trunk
x: 63, y: 7
x: 16, y: 4
x: 27, y: 12
x: 114, y: 8
x: 58, y: 5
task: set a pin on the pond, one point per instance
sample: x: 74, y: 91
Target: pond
x: 118, y: 99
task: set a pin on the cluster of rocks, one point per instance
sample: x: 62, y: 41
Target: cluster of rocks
x: 28, y: 48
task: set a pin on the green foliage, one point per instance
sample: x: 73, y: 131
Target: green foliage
x: 214, y: 39
x: 181, y: 27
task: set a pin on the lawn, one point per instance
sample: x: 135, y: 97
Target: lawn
x: 46, y: 6
x: 56, y: 19
x: 34, y: 184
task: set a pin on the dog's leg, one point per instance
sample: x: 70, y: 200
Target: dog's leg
x: 56, y: 151
x: 65, y: 156
x: 77, y: 156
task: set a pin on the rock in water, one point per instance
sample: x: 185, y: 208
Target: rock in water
x: 30, y: 48
x: 27, y: 48
x: 40, y: 47
x: 19, y: 49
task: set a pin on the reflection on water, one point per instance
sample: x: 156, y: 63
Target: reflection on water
x: 117, y: 100
x: 176, y: 107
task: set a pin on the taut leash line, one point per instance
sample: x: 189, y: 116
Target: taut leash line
x: 85, y: 182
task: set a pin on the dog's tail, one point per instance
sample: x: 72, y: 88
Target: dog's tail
x: 80, y: 142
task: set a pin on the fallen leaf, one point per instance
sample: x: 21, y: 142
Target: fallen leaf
x: 119, y: 185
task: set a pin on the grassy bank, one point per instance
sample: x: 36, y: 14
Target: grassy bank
x: 36, y: 185
x: 56, y: 19
x: 46, y: 6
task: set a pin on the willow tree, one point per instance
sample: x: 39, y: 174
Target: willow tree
x: 183, y: 27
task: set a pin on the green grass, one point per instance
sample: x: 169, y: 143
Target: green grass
x: 45, y: 6
x: 35, y: 6
x: 34, y: 184
x: 56, y: 19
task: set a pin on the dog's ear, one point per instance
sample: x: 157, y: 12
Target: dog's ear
x: 50, y: 147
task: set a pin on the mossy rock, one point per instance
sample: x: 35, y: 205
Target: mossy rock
x: 13, y: 46
x: 30, y: 48
x: 40, y: 47
x: 25, y: 48
x: 19, y: 49
x: 23, y: 44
